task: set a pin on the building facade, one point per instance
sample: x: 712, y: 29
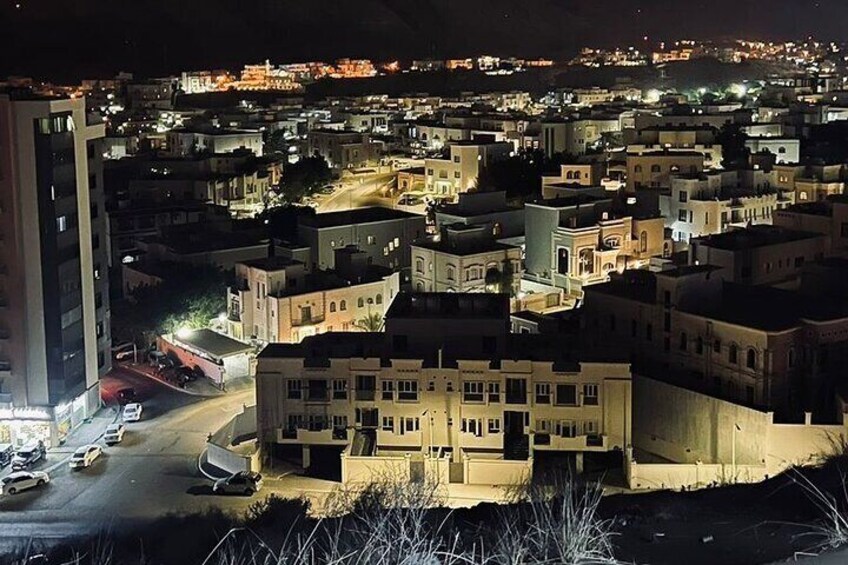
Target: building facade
x: 54, y: 336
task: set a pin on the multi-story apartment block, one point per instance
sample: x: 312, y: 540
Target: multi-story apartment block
x: 459, y: 172
x: 578, y: 241
x: 760, y: 254
x: 188, y: 141
x: 700, y: 205
x: 382, y: 233
x: 344, y: 149
x: 466, y: 258
x: 54, y: 306
x: 700, y: 139
x: 446, y: 392
x: 575, y: 136
x: 276, y: 300
x: 785, y: 150
x: 505, y: 220
x: 654, y: 169
x: 809, y: 182
x: 828, y: 217
x: 760, y: 346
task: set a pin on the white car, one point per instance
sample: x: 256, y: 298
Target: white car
x: 114, y: 434
x: 23, y: 480
x: 85, y: 456
x: 132, y: 412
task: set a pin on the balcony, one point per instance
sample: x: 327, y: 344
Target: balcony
x: 365, y: 394
x: 516, y: 398
x: 328, y: 436
x: 553, y: 442
x: 311, y: 321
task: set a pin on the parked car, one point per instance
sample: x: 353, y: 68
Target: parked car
x: 132, y: 412
x: 23, y: 480
x: 159, y: 360
x: 124, y: 351
x: 190, y: 373
x: 28, y: 455
x: 84, y: 456
x: 126, y: 395
x: 7, y: 451
x: 114, y: 434
x: 245, y: 482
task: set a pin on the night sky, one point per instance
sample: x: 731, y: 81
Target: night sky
x: 72, y: 39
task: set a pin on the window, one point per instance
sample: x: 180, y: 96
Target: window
x: 494, y: 425
x: 472, y: 426
x: 637, y: 169
x: 450, y: 274
x: 360, y: 302
x: 419, y: 265
x: 332, y: 306
x: 379, y: 299
x: 343, y: 305
x: 643, y: 242
x: 388, y: 390
x: 590, y: 427
x: 410, y: 425
x: 472, y: 391
x: 543, y: 393
x: 371, y: 240
x: 293, y: 387
x: 388, y: 424
x: 732, y: 354
x: 751, y: 358
x: 655, y: 168
x: 566, y: 428
x: 494, y: 392
x: 699, y: 345
x: 683, y: 196
x: 717, y: 346
x: 590, y: 394
x: 340, y: 422
x: 408, y: 390
x: 682, y: 215
x: 566, y: 395
x: 339, y: 389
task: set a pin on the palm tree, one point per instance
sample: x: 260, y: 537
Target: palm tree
x: 370, y: 323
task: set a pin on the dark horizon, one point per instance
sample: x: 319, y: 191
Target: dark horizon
x: 94, y: 38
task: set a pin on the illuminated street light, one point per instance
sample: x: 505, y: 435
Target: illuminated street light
x: 184, y: 332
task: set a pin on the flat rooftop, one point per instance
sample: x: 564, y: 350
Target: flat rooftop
x: 449, y: 305
x: 356, y: 216
x: 754, y: 237
x: 218, y: 345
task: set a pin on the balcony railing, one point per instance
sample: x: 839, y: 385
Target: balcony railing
x: 365, y: 394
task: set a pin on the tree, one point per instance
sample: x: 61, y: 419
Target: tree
x: 732, y: 141
x: 188, y: 296
x: 370, y: 323
x: 304, y: 177
x: 520, y: 175
x: 277, y: 142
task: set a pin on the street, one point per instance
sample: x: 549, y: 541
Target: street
x: 358, y: 191
x: 152, y: 472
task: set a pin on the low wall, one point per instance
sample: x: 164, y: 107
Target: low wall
x: 233, y: 447
x: 679, y: 476
x: 233, y: 461
x: 497, y: 472
x: 374, y: 468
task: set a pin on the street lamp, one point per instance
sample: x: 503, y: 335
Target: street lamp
x: 736, y: 428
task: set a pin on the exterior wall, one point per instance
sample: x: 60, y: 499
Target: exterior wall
x: 785, y: 150
x: 477, y: 422
x: 654, y: 170
x: 485, y: 471
x: 436, y: 271
x: 50, y: 242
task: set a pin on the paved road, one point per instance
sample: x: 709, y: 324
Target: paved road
x: 153, y: 471
x: 356, y: 192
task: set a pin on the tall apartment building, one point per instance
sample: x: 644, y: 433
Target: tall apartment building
x: 446, y: 392
x: 54, y: 308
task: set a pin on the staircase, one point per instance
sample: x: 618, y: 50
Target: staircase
x: 364, y: 442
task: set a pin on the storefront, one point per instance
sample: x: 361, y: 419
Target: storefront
x: 21, y: 425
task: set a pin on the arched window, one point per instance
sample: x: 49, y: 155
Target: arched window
x: 569, y: 175
x: 751, y: 359
x: 419, y: 287
x: 563, y: 267
x: 360, y: 302
x: 790, y: 357
x: 419, y: 265
x: 643, y: 242
x: 343, y: 305
x: 655, y: 168
x: 577, y: 175
x: 450, y: 274
x: 586, y: 259
x: 637, y: 169
x: 781, y: 150
x: 379, y: 299
x: 608, y: 267
x: 332, y: 306
x: 732, y: 353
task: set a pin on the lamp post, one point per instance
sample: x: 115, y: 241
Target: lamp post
x: 735, y: 429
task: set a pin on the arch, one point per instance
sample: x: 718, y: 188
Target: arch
x: 586, y: 260
x: 343, y: 305
x: 656, y: 168
x: 379, y: 299
x: 637, y: 169
x: 577, y: 175
x: 360, y: 302
x: 751, y: 358
x: 569, y: 175
x: 332, y: 306
x: 563, y: 260
x: 733, y: 353
x: 419, y: 286
x: 643, y: 242
x: 419, y: 265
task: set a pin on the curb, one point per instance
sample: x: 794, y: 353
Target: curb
x: 200, y: 460
x: 61, y: 463
x: 163, y: 382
